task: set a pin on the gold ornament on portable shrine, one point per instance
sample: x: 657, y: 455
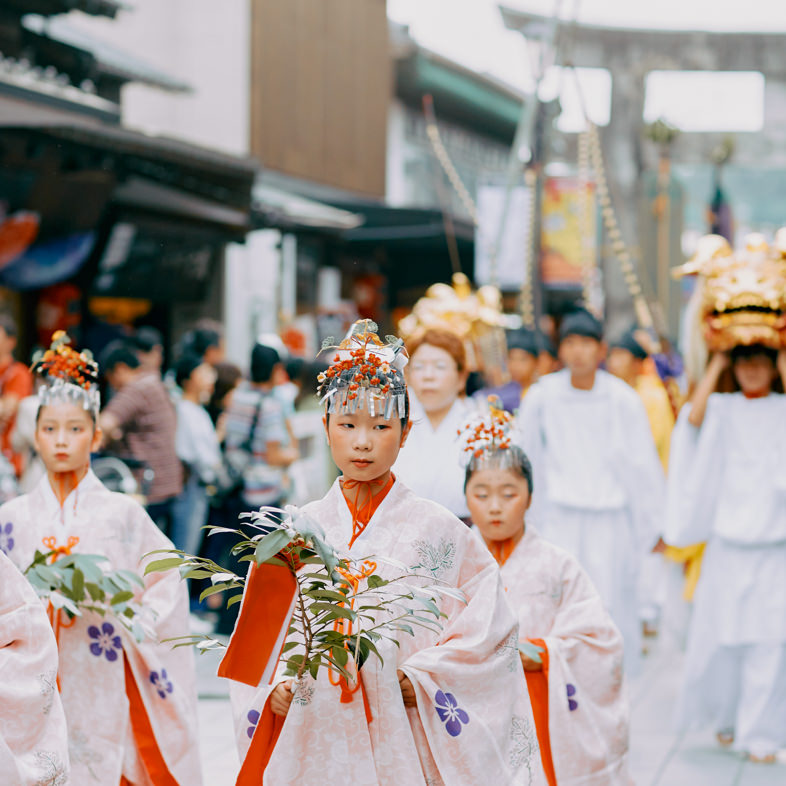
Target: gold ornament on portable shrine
x: 742, y: 293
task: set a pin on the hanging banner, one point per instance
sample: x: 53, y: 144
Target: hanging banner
x: 563, y: 236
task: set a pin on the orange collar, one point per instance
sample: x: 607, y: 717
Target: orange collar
x: 363, y: 512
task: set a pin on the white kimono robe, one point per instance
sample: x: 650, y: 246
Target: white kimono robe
x: 430, y: 461
x: 727, y: 486
x: 599, y: 485
x: 473, y: 723
x: 33, y: 738
x: 103, y: 743
x: 587, y: 701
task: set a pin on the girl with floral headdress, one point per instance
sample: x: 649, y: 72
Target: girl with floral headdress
x: 440, y: 707
x: 130, y: 705
x: 569, y: 647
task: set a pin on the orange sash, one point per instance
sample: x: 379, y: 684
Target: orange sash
x: 144, y: 736
x: 538, y: 687
x: 266, y: 610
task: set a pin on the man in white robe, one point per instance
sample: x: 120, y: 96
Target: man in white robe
x: 601, y: 483
x: 727, y: 486
x: 33, y: 738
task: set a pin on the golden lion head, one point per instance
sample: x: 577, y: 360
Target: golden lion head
x: 743, y: 293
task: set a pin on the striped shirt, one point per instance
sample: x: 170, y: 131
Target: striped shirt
x: 147, y: 417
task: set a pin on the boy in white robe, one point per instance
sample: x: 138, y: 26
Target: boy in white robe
x: 130, y: 706
x: 33, y: 739
x: 444, y: 707
x: 727, y: 486
x: 601, y: 484
x: 576, y: 680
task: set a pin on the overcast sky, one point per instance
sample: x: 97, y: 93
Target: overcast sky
x: 472, y: 32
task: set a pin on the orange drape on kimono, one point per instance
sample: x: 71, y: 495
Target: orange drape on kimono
x: 538, y: 686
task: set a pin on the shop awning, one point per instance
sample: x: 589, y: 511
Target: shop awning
x: 281, y: 209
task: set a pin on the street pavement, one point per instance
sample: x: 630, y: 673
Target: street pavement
x: 658, y: 756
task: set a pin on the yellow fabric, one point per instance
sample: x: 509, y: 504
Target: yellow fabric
x: 656, y: 401
x: 691, y: 556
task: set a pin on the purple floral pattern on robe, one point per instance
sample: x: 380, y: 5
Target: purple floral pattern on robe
x: 253, y: 719
x: 450, y: 713
x: 105, y: 642
x: 572, y: 703
x: 7, y: 537
x: 161, y: 682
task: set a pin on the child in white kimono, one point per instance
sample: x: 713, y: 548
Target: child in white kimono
x: 33, y: 740
x: 575, y: 681
x: 445, y: 707
x: 130, y: 707
x: 727, y: 486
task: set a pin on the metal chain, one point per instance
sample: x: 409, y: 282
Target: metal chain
x: 618, y: 246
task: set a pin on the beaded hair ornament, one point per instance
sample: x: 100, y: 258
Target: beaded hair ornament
x: 69, y: 376
x: 487, y: 441
x: 365, y: 372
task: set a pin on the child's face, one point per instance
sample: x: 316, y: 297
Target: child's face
x: 497, y: 500
x: 522, y: 366
x: 755, y: 374
x: 581, y: 354
x: 364, y: 447
x: 65, y: 435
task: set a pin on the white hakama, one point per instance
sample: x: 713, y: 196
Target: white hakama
x: 727, y: 486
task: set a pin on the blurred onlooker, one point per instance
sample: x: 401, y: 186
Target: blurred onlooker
x: 255, y: 447
x: 197, y: 447
x: 205, y: 339
x: 228, y: 377
x: 256, y: 434
x: 149, y: 345
x: 16, y: 382
x: 23, y: 442
x: 140, y: 419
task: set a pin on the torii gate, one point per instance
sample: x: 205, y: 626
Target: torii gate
x: 630, y: 54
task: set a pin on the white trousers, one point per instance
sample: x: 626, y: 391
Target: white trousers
x: 751, y: 686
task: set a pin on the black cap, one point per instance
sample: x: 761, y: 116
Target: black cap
x: 628, y: 341
x: 581, y: 323
x: 523, y: 338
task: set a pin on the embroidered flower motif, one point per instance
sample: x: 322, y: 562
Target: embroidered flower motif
x: 450, y: 713
x: 253, y: 719
x: 508, y: 650
x: 48, y: 684
x: 572, y: 703
x: 435, y: 558
x: 105, y: 641
x: 161, y: 682
x: 523, y: 744
x: 50, y: 766
x: 6, y: 538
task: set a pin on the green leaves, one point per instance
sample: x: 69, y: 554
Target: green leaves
x: 341, y: 616
x: 75, y: 583
x: 270, y: 545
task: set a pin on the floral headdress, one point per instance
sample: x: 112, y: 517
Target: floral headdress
x: 487, y: 439
x: 69, y: 376
x: 365, y: 372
